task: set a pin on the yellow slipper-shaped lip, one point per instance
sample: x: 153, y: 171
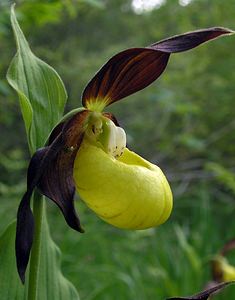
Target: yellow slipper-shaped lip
x: 128, y: 192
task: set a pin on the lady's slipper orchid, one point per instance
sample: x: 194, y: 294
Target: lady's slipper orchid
x: 222, y: 270
x: 87, y: 150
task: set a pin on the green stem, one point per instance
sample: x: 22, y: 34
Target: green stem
x: 39, y: 215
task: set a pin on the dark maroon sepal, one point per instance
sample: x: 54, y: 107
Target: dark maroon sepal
x: 189, y: 40
x: 51, y: 171
x: 134, y: 69
x: 124, y: 74
x: 204, y: 295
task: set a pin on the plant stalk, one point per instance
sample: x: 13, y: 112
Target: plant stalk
x: 39, y: 215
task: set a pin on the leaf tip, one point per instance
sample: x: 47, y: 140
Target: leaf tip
x: 13, y: 7
x: 13, y: 11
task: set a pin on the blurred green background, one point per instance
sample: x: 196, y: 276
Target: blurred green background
x: 184, y: 122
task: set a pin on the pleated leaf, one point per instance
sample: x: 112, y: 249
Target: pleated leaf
x: 41, y: 92
x: 10, y: 284
x: 51, y: 284
x: 42, y: 99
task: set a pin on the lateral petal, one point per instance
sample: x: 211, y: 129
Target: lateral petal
x: 189, y: 40
x: 56, y: 181
x: 51, y: 170
x: 204, y: 295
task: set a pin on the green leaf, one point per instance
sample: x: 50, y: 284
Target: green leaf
x: 41, y: 92
x: 10, y: 285
x: 188, y: 250
x: 51, y: 283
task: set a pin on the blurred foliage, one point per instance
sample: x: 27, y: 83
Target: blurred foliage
x: 223, y: 175
x: 184, y: 122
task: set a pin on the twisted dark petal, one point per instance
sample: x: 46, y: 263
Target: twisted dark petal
x: 57, y: 184
x: 134, y: 69
x: 56, y: 181
x: 51, y: 170
x: 204, y: 295
x: 24, y: 235
x: 25, y: 220
x: 189, y: 40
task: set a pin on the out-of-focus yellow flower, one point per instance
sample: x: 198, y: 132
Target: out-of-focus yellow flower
x: 222, y: 269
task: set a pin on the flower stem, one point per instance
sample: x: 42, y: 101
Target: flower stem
x: 39, y: 214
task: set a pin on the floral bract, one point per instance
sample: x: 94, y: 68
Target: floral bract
x: 87, y: 150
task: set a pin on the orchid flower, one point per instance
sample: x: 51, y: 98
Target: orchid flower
x: 87, y: 151
x: 222, y: 270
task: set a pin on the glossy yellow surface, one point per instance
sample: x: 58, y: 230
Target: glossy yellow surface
x: 128, y: 192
